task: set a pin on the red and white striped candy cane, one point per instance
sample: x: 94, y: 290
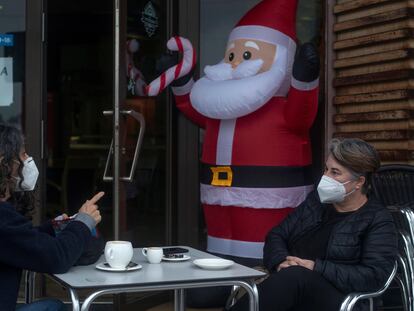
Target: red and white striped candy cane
x: 184, y: 46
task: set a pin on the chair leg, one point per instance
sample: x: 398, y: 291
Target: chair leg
x: 408, y: 268
x: 29, y: 286
x: 371, y: 304
x: 405, y: 282
x: 404, y: 293
x: 232, y: 297
x: 410, y: 218
x: 345, y: 304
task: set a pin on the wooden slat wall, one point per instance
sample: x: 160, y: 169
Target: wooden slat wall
x: 374, y: 75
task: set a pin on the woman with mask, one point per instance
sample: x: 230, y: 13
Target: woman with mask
x: 339, y: 240
x: 23, y: 246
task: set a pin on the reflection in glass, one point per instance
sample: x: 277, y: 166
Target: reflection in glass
x: 12, y: 56
x: 309, y: 23
x: 80, y: 88
x: 12, y: 65
x: 145, y: 196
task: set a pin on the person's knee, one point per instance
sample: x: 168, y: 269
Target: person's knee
x: 308, y: 278
x: 294, y: 272
x: 293, y: 276
x: 287, y: 279
x: 44, y: 305
x: 56, y: 305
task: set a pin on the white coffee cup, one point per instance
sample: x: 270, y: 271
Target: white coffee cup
x: 153, y: 254
x: 118, y: 254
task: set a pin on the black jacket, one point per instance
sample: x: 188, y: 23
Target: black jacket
x: 361, y: 250
x: 23, y: 246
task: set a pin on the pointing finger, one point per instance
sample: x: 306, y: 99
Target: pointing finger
x: 96, y: 197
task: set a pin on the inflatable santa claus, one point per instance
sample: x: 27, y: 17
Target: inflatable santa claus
x: 256, y: 107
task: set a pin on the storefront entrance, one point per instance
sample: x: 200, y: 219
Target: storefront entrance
x: 85, y: 79
x: 79, y: 68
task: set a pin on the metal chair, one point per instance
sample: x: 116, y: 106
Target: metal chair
x: 393, y: 185
x: 29, y: 287
x: 350, y: 300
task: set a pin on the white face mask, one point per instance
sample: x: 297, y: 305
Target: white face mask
x: 331, y: 190
x: 30, y: 174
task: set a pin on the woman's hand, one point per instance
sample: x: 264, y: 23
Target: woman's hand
x: 91, y: 208
x: 285, y: 264
x: 308, y: 264
x: 296, y: 261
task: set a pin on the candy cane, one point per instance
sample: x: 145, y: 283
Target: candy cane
x: 181, y: 69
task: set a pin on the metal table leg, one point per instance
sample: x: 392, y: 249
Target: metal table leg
x: 253, y: 295
x: 179, y: 300
x: 75, y: 300
x: 29, y: 286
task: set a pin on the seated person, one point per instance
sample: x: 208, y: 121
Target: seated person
x: 339, y: 240
x: 23, y: 246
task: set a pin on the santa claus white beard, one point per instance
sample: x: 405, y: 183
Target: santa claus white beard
x: 224, y: 71
x: 225, y: 93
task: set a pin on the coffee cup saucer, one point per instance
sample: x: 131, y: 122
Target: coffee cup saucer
x: 104, y: 266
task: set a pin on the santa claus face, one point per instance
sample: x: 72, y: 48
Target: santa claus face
x: 239, y: 51
x: 243, y: 82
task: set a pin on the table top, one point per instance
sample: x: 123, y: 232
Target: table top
x: 153, y: 274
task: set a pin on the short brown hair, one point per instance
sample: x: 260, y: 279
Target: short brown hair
x: 359, y: 157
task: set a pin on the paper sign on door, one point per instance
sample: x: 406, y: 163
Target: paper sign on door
x: 6, y: 81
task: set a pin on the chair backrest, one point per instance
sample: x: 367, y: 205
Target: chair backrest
x: 394, y: 184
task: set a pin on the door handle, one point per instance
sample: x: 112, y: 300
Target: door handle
x: 141, y: 120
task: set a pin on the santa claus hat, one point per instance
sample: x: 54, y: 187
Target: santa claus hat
x: 272, y: 21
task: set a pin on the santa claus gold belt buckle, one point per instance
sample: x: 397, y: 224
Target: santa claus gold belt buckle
x: 222, y: 176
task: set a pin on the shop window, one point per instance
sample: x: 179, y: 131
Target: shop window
x: 12, y: 56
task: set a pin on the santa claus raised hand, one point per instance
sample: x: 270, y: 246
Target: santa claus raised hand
x: 256, y: 107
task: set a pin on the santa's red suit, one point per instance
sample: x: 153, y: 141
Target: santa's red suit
x: 262, y: 163
x: 256, y: 165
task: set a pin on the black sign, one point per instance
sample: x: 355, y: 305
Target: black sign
x: 149, y: 18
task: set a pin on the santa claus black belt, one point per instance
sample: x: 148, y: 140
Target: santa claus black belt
x: 256, y: 176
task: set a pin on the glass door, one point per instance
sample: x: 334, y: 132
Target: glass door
x: 142, y: 154
x: 97, y: 69
x: 103, y: 133
x: 21, y: 66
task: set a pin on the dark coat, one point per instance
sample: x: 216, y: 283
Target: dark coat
x: 23, y: 246
x: 361, y: 250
